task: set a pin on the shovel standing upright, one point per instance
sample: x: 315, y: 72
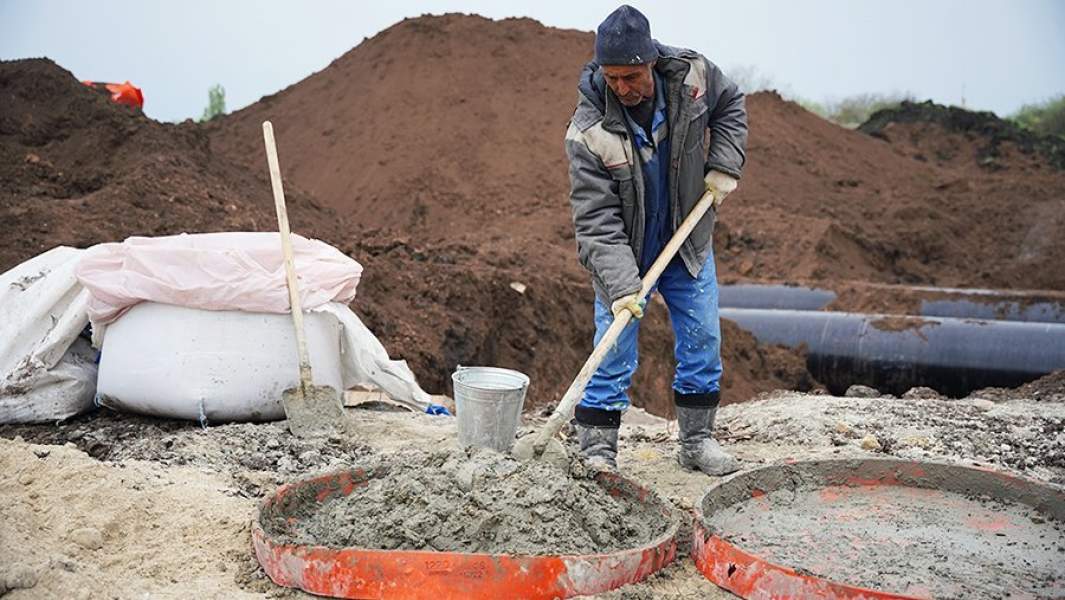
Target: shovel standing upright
x: 311, y: 410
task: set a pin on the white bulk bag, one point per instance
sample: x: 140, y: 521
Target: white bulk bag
x: 225, y: 365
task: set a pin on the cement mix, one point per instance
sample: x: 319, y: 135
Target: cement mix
x: 915, y: 541
x: 473, y: 501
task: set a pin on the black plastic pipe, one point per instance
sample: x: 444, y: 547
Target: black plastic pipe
x: 771, y: 295
x: 959, y: 303
x: 893, y: 354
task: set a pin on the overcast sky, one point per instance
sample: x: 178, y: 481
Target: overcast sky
x: 989, y: 54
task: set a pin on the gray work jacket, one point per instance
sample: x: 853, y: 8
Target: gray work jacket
x: 707, y: 129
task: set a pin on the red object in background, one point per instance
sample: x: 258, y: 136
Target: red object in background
x: 123, y: 93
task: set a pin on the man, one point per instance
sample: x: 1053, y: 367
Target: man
x: 655, y: 127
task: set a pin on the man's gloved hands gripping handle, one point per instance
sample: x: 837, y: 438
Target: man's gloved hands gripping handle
x: 718, y: 184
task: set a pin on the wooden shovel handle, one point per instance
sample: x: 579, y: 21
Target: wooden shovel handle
x: 564, y: 410
x: 286, y: 249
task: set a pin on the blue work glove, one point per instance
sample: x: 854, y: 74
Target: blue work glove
x: 437, y: 409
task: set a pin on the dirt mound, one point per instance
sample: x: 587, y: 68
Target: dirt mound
x: 823, y: 203
x: 1049, y: 388
x: 438, y: 306
x: 984, y: 127
x: 451, y: 128
x: 437, y: 126
x: 77, y: 169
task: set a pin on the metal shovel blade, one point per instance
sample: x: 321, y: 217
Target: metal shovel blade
x: 553, y: 453
x: 313, y: 411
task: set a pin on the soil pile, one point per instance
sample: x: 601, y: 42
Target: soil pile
x: 472, y: 501
x: 454, y: 303
x: 77, y: 169
x: 978, y: 127
x: 913, y: 205
x: 451, y: 128
x: 1049, y: 388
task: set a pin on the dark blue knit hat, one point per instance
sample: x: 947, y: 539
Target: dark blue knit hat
x: 624, y: 38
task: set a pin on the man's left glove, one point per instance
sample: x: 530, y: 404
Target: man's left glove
x: 720, y: 185
x: 630, y: 303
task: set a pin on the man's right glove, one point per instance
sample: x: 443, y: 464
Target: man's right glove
x: 720, y: 185
x: 630, y: 303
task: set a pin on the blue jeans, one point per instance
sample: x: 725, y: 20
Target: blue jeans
x: 693, y: 311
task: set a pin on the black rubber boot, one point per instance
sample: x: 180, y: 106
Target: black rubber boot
x: 698, y: 449
x: 597, y: 432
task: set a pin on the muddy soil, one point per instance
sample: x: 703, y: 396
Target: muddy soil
x: 473, y: 501
x: 907, y: 540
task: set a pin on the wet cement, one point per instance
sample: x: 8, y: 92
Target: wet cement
x: 907, y: 540
x: 474, y: 501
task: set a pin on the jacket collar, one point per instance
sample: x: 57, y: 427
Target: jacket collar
x: 592, y: 87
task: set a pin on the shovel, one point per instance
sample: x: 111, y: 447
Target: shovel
x: 311, y: 410
x: 543, y: 444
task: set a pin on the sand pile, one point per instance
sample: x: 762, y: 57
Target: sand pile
x: 472, y: 501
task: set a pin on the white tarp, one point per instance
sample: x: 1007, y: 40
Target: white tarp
x: 46, y: 372
x: 213, y: 271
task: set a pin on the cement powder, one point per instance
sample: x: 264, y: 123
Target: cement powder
x: 476, y: 501
x: 904, y: 540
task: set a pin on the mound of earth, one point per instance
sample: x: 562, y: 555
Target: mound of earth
x: 77, y: 169
x: 990, y: 132
x: 450, y: 128
x: 438, y: 306
x: 1049, y: 388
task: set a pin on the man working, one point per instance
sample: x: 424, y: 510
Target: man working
x: 655, y: 127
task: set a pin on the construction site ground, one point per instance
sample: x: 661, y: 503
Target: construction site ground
x: 112, y: 505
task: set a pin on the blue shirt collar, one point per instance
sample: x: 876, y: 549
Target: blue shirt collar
x: 659, y: 118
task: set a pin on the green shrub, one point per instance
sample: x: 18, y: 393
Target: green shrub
x: 216, y: 103
x: 1047, y: 118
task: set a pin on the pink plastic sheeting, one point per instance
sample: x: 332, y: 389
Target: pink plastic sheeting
x: 213, y: 271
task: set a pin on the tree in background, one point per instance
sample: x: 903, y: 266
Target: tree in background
x: 1047, y: 118
x: 216, y: 103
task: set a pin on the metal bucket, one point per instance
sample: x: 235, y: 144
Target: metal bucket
x: 488, y: 401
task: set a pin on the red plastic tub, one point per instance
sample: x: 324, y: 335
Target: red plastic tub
x: 857, y: 491
x: 368, y: 573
